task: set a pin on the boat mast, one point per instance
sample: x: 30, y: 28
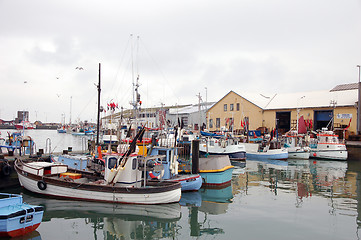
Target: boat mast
x: 71, y: 97
x: 98, y: 117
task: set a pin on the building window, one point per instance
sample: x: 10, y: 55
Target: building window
x: 225, y: 107
x: 218, y: 122
x: 231, y: 107
x: 237, y: 106
x: 185, y: 121
x: 210, y: 123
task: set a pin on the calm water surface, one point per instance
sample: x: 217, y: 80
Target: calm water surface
x: 294, y: 199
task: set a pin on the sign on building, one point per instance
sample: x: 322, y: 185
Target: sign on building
x: 344, y: 116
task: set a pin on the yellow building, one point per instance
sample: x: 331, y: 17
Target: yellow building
x: 319, y: 109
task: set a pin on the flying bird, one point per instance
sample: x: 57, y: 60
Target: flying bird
x: 58, y: 95
x: 79, y: 68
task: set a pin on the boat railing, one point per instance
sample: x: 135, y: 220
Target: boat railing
x: 28, y: 166
x: 84, y: 143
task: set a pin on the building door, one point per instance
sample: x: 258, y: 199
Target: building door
x: 322, y: 119
x: 283, y: 122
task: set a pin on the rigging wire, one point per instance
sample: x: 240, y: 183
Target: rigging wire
x: 161, y: 72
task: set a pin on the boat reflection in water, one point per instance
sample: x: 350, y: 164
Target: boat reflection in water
x: 303, y: 199
x: 113, y: 221
x: 203, y: 203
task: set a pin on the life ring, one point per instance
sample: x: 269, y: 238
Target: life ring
x: 41, y: 185
x: 6, y: 170
x: 158, y: 176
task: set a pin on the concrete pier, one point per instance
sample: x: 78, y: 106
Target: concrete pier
x: 354, y: 150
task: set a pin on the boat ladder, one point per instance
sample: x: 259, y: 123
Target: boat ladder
x: 29, y: 215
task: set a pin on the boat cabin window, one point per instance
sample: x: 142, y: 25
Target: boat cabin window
x: 112, y: 162
x: 211, y: 143
x: 163, y: 152
x: 134, y: 163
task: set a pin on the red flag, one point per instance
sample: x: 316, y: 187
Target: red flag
x: 302, y: 125
x: 348, y: 124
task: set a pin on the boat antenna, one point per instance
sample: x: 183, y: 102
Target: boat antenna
x: 98, y: 117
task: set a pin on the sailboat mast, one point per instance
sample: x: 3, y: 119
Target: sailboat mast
x: 98, y: 117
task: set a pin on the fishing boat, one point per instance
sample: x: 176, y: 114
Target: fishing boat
x: 122, y: 181
x: 25, y: 125
x: 265, y: 151
x: 326, y: 145
x: 17, y: 144
x: 167, y: 157
x: 296, y: 145
x: 16, y: 217
x: 222, y: 146
x: 61, y: 129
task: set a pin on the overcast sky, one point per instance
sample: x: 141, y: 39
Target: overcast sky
x: 184, y: 48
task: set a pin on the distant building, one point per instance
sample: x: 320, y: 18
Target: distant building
x: 192, y: 116
x: 22, y: 116
x: 336, y: 108
x: 166, y: 116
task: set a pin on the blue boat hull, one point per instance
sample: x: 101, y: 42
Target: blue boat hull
x: 257, y: 156
x: 191, y: 182
x: 215, y: 179
x: 18, y: 218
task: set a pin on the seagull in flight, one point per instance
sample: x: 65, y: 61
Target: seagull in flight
x: 79, y: 68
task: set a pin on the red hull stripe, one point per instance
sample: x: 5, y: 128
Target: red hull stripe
x: 19, y: 232
x: 185, y: 179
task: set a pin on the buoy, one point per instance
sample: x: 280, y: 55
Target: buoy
x: 6, y: 170
x: 151, y: 174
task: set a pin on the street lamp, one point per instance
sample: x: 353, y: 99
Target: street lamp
x: 359, y: 103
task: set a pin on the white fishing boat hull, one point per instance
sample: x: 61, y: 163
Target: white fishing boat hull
x: 73, y: 193
x: 235, y: 151
x: 57, y: 180
x: 332, y: 152
x: 253, y: 152
x: 328, y: 146
x: 298, y: 152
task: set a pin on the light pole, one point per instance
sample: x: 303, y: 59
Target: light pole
x: 298, y: 111
x: 359, y: 103
x: 206, y: 109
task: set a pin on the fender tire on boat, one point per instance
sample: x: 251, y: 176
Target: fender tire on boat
x: 41, y: 185
x: 6, y: 170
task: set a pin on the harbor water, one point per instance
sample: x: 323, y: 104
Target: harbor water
x: 293, y: 199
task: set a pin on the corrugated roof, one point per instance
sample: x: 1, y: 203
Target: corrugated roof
x: 304, y: 99
x: 190, y: 109
x: 343, y: 87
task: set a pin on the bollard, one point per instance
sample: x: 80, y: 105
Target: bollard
x: 195, y: 156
